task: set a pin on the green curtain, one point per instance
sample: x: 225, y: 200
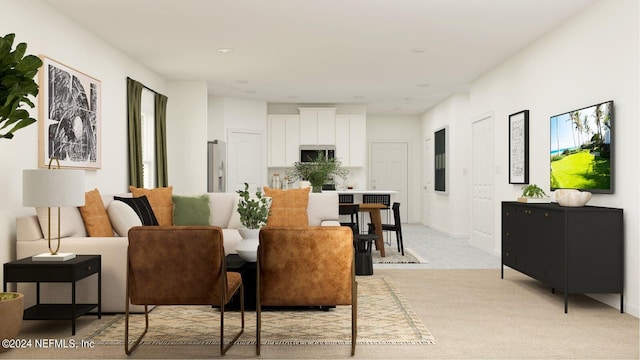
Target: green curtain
x: 161, y: 140
x: 134, y: 116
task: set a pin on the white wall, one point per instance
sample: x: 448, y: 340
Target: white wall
x: 187, y: 136
x: 591, y: 58
x: 401, y: 129
x: 240, y: 114
x: 450, y: 211
x: 49, y: 33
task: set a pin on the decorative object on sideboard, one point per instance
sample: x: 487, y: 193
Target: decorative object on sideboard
x: 53, y: 187
x: 322, y: 171
x: 254, y: 212
x: 533, y: 194
x: 11, y: 309
x: 16, y: 85
x: 571, y: 197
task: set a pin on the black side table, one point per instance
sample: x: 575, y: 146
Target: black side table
x: 82, y: 266
x: 248, y: 272
x: 362, y: 245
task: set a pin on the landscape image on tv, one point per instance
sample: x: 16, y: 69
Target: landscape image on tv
x: 581, y: 149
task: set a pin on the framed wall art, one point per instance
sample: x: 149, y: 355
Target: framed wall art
x: 440, y: 160
x: 519, y: 147
x: 70, y: 117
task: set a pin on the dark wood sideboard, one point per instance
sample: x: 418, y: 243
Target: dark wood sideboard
x: 576, y: 250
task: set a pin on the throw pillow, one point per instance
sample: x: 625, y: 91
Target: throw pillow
x: 161, y: 202
x: 288, y: 217
x: 94, y: 215
x: 122, y: 217
x: 191, y: 210
x: 71, y: 223
x: 288, y: 207
x: 142, y: 207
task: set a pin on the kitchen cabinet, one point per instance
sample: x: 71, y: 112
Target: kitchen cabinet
x: 317, y: 126
x: 572, y: 249
x: 351, y: 135
x: 283, y: 132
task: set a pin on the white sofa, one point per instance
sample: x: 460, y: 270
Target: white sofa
x: 322, y: 209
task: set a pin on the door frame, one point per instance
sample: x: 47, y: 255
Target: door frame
x: 263, y: 154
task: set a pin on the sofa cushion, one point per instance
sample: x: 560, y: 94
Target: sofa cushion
x: 288, y: 207
x: 94, y: 215
x: 161, y: 202
x: 323, y: 207
x: 234, y: 221
x: 71, y: 223
x: 191, y: 210
x: 122, y: 217
x: 142, y: 208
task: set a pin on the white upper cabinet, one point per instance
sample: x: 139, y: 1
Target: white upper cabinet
x: 283, y: 132
x: 317, y: 126
x: 351, y: 138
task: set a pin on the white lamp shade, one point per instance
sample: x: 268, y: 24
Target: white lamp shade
x: 52, y: 188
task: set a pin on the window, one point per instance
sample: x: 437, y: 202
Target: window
x: 148, y: 139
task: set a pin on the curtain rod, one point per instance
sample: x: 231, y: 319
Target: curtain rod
x: 145, y: 86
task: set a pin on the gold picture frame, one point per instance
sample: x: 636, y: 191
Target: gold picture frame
x: 70, y: 117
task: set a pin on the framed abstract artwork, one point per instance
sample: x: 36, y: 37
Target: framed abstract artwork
x: 440, y: 160
x: 70, y: 117
x: 519, y: 147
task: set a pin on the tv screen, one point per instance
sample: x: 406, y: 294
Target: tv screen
x: 581, y: 149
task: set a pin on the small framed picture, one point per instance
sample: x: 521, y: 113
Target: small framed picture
x: 519, y: 147
x: 70, y: 117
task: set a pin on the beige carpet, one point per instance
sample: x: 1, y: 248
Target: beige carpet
x: 384, y: 317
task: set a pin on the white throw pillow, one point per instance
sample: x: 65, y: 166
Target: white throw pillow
x: 71, y: 223
x: 234, y: 221
x: 122, y: 217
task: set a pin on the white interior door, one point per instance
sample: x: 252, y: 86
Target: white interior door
x: 427, y: 180
x: 390, y: 171
x: 244, y: 160
x: 482, y: 184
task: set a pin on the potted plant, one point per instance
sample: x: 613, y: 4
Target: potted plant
x: 11, y: 309
x: 253, y: 215
x: 253, y: 210
x: 533, y: 194
x: 16, y: 86
x: 320, y: 172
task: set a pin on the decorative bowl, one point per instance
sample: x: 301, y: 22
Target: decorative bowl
x: 571, y: 197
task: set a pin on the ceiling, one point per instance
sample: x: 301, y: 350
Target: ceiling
x: 398, y: 57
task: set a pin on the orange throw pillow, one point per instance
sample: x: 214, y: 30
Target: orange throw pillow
x: 161, y: 201
x: 288, y: 207
x: 94, y: 215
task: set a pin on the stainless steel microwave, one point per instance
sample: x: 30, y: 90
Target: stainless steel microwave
x: 309, y: 153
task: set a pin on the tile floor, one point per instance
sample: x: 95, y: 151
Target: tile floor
x: 441, y: 251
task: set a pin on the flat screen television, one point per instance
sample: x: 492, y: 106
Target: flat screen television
x: 582, y: 149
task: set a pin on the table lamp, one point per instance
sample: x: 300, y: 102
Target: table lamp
x: 53, y: 188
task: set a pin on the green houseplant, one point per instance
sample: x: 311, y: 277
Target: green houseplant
x: 319, y: 172
x: 253, y: 210
x: 16, y: 85
x: 533, y: 194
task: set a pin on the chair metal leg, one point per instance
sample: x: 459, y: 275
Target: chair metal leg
x: 223, y: 348
x: 128, y: 349
x: 354, y: 318
x: 258, y: 306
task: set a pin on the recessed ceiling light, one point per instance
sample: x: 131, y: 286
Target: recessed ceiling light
x: 293, y: 97
x: 244, y: 82
x: 423, y: 85
x: 397, y: 109
x: 408, y: 98
x: 250, y: 91
x: 358, y: 97
x: 224, y: 50
x: 418, y: 50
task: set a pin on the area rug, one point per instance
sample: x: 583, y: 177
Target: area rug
x: 384, y: 317
x: 392, y: 256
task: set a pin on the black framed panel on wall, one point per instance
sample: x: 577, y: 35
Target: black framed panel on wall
x: 440, y: 160
x: 519, y: 147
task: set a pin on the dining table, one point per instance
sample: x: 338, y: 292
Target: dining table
x: 374, y: 214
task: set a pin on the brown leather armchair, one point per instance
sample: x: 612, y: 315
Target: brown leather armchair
x: 306, y: 266
x: 179, y: 265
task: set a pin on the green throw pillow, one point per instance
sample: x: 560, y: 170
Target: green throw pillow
x: 191, y: 210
